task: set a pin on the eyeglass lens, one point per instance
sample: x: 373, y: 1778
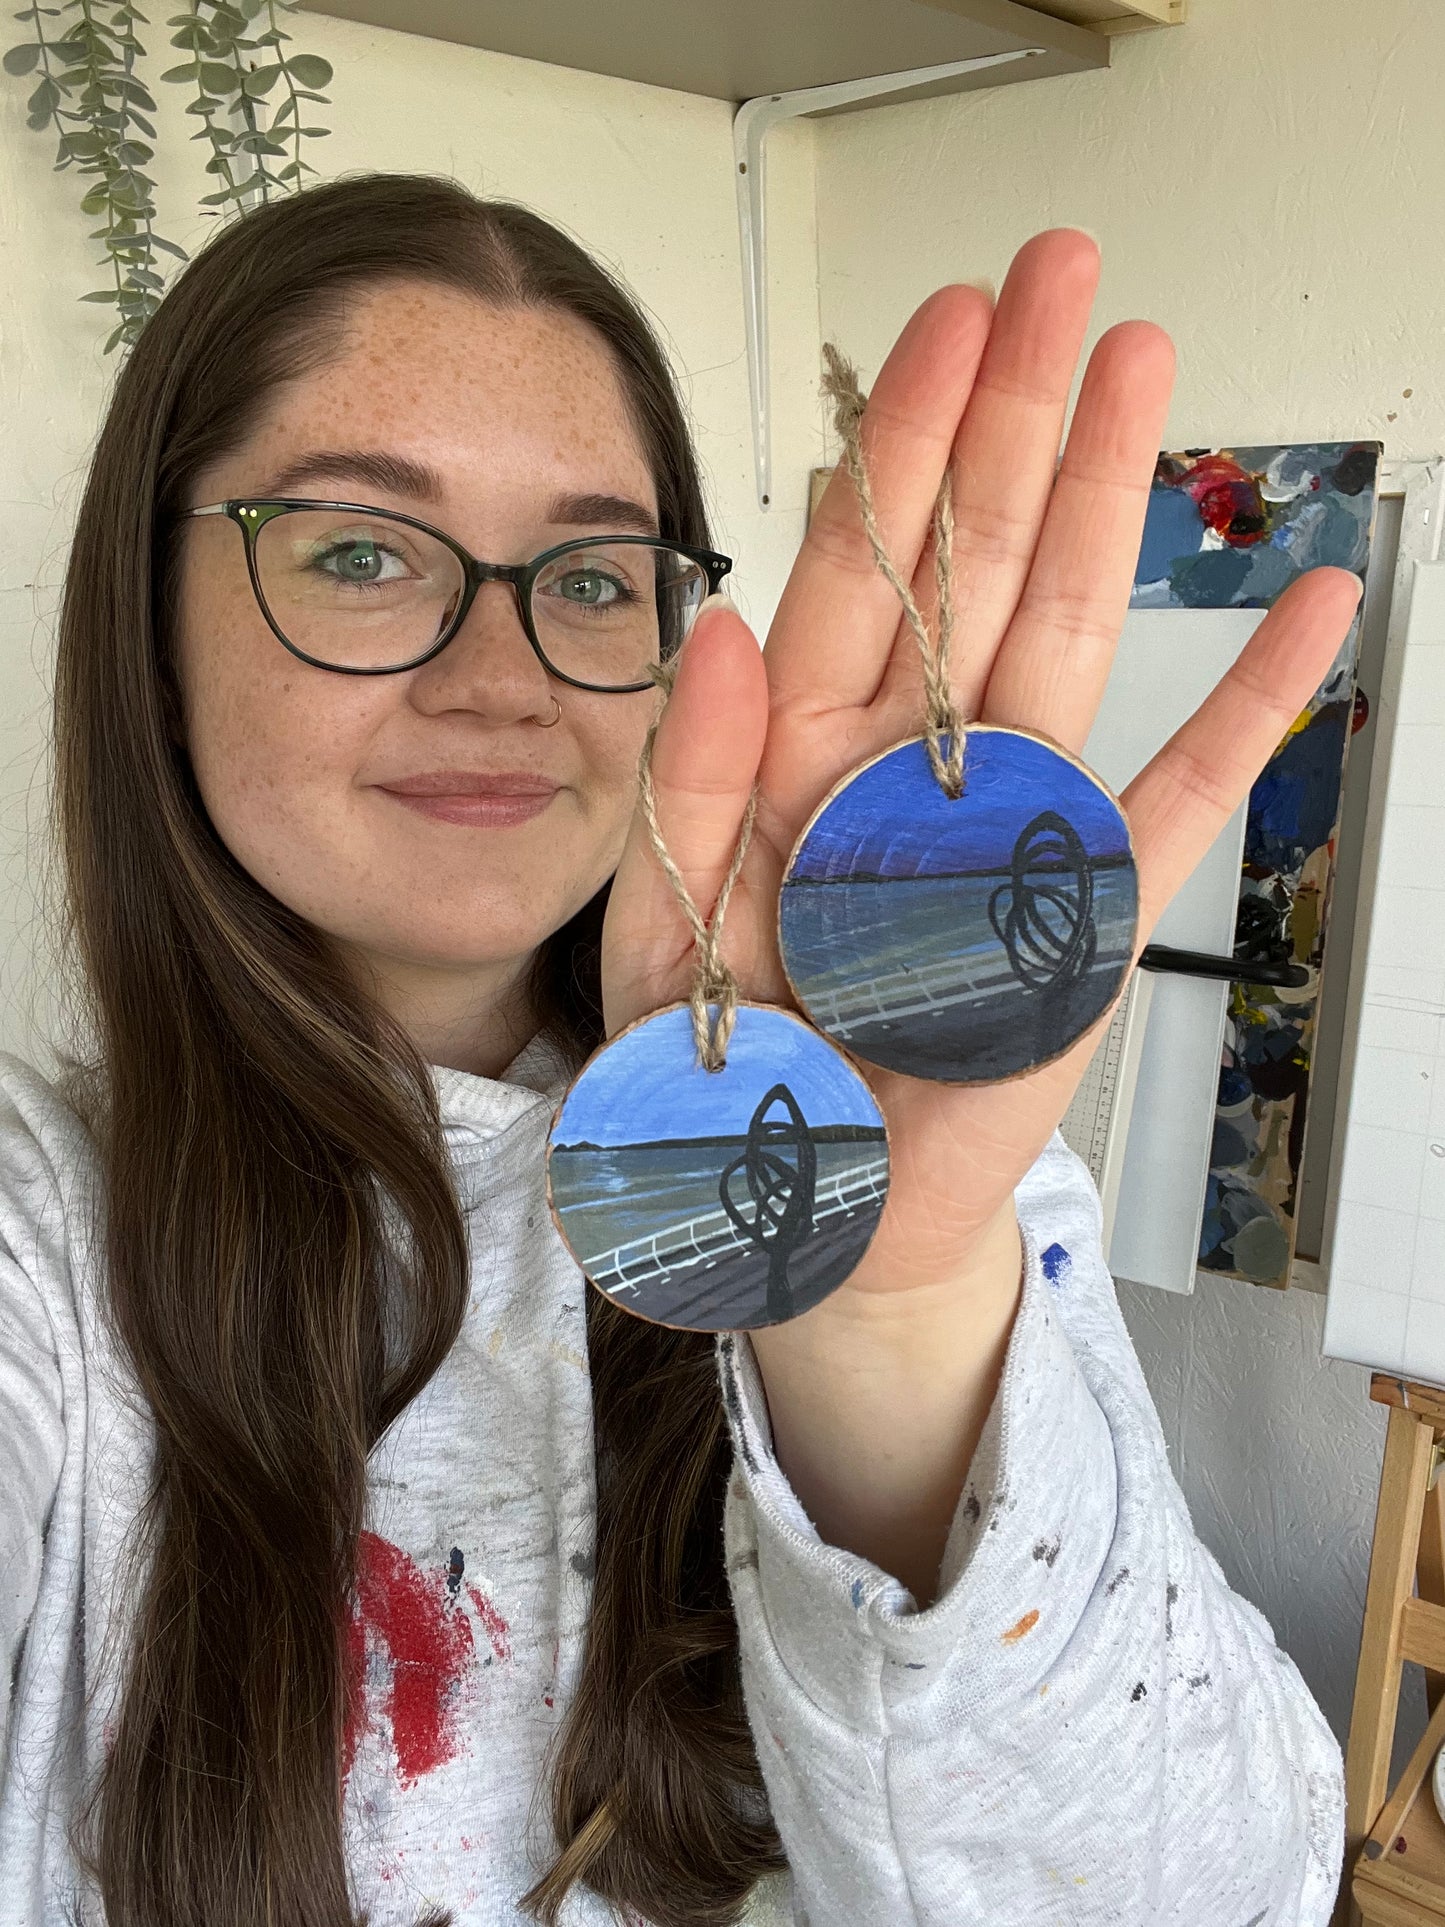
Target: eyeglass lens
x: 366, y: 592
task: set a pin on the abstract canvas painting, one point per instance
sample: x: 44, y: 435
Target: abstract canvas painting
x: 964, y: 939
x: 718, y: 1200
x: 1232, y: 528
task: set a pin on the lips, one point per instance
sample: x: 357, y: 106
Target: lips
x: 462, y: 782
x: 495, y: 800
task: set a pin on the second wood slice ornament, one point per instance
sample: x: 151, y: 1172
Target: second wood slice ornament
x: 964, y: 906
x: 717, y: 1166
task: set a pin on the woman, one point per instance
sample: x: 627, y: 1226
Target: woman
x: 358, y: 1558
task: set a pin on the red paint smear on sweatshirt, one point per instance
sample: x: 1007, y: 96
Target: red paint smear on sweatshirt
x: 411, y: 1613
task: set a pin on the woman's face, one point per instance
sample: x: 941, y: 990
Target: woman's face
x: 508, y: 429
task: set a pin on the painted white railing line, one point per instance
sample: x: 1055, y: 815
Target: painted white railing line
x: 871, y: 998
x: 841, y: 1010
x: 713, y: 1231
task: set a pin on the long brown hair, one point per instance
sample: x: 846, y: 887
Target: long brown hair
x: 257, y: 1122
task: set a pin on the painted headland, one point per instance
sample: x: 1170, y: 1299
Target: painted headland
x: 962, y: 939
x: 718, y: 1201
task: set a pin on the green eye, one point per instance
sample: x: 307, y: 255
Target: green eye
x: 589, y: 587
x: 360, y: 561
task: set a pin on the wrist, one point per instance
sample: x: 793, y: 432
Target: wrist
x: 877, y: 1400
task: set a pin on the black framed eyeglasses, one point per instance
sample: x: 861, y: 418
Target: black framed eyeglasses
x: 366, y: 592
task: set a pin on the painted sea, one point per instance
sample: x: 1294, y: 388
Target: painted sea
x: 964, y: 940
x: 718, y: 1201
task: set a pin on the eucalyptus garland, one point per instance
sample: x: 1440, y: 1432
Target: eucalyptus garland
x: 247, y: 92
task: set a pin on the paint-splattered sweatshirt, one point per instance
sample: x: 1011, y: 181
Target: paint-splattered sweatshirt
x: 1087, y: 1726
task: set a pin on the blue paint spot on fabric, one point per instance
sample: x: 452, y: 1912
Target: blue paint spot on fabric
x: 857, y: 1594
x: 1056, y: 1263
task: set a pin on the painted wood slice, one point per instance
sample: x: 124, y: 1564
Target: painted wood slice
x: 965, y: 940
x: 718, y: 1200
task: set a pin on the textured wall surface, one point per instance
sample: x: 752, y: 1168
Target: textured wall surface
x: 1264, y: 183
x: 641, y: 175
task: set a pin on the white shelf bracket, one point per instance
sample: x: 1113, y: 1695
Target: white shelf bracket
x: 750, y: 130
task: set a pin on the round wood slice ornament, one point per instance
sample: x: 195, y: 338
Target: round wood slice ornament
x: 718, y: 1200
x: 964, y: 939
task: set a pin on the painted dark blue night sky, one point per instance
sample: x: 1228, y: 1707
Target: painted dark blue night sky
x: 893, y: 820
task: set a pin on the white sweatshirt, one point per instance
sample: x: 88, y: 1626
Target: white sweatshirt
x: 1087, y: 1726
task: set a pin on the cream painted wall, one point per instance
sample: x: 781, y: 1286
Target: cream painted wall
x: 1266, y: 183
x: 640, y: 175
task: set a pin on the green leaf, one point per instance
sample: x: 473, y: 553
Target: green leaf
x: 186, y: 71
x: 22, y: 59
x: 169, y: 247
x: 45, y: 99
x: 260, y: 81
x: 322, y: 100
x: 216, y: 200
x: 143, y: 278
x: 102, y: 294
x: 217, y: 79
x: 134, y: 153
x: 96, y: 201
x: 313, y: 133
x: 259, y: 144
x: 309, y: 70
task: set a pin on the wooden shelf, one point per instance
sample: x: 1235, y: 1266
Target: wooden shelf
x: 1117, y: 16
x: 748, y: 48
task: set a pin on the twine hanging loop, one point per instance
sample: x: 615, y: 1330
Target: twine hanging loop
x: 943, y: 723
x: 715, y: 990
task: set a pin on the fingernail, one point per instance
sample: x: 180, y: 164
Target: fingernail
x: 719, y: 599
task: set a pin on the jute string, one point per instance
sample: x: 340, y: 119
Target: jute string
x: 942, y: 718
x: 714, y: 999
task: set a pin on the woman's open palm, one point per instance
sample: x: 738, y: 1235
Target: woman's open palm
x: 1044, y: 558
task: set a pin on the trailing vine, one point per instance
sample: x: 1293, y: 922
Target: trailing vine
x: 90, y: 95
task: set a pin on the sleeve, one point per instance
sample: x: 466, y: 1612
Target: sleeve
x: 1087, y: 1725
x: 32, y: 1423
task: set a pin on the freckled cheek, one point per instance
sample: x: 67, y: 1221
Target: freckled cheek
x: 611, y: 744
x: 273, y: 751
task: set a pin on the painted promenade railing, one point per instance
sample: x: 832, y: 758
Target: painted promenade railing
x: 711, y: 1235
x: 908, y: 992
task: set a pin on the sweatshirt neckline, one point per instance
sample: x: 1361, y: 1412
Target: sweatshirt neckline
x: 469, y: 1102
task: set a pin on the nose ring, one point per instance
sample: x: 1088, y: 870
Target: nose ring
x: 556, y: 719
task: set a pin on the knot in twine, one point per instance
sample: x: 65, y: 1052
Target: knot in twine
x: 714, y: 999
x: 840, y: 384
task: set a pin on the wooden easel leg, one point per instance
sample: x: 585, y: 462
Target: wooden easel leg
x: 1404, y: 1477
x: 1430, y: 1573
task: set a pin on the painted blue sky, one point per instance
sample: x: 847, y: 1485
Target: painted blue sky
x: 895, y: 821
x: 649, y: 1083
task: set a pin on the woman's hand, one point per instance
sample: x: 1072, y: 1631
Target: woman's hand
x: 878, y: 1395
x: 1043, y: 563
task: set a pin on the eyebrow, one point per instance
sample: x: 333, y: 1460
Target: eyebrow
x: 398, y: 475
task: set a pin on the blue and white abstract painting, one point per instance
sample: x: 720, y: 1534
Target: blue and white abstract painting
x: 718, y: 1200
x: 962, y: 939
